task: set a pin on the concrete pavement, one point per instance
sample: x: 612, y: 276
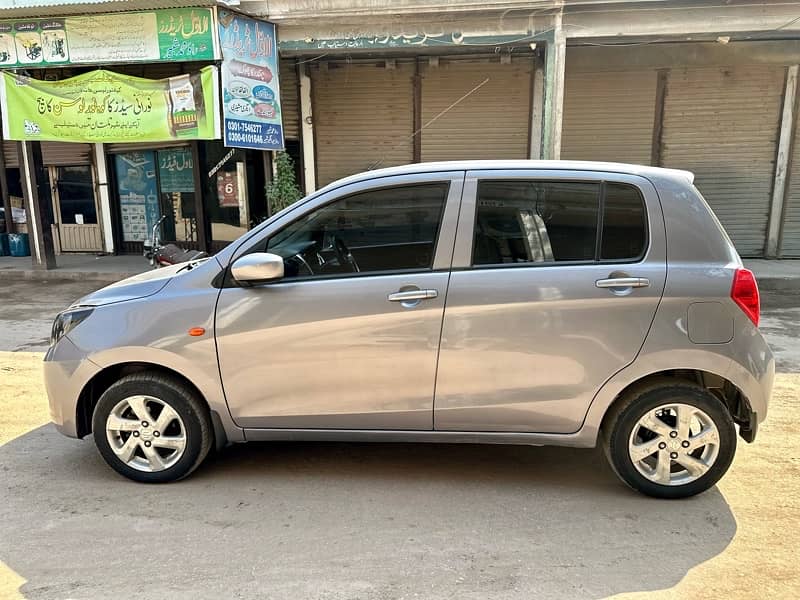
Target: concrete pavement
x: 336, y: 521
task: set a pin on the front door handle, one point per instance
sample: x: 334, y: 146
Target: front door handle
x: 623, y: 282
x: 413, y: 295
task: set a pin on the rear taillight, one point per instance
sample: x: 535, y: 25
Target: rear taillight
x: 745, y: 293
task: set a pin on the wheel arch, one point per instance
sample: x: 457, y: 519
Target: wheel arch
x: 722, y: 388
x: 106, y: 377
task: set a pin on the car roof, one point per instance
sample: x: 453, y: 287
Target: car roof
x: 542, y: 165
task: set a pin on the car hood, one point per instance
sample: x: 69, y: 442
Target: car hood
x: 139, y: 286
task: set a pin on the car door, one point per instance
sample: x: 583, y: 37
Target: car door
x: 348, y: 339
x: 556, y: 280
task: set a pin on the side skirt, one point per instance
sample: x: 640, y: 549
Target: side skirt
x: 575, y: 440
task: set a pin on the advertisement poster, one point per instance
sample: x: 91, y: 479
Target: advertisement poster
x: 138, y: 194
x: 177, y: 34
x: 227, y: 189
x: 250, y: 90
x: 175, y: 170
x: 102, y: 106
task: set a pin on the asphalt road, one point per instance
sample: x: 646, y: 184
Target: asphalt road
x: 381, y: 521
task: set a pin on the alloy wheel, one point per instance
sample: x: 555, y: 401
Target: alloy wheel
x: 674, y: 444
x: 146, y: 433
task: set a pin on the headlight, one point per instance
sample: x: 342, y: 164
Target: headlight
x: 67, y: 321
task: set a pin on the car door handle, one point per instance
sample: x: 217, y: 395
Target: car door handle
x: 411, y: 295
x: 623, y: 282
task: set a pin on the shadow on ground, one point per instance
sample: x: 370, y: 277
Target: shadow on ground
x: 302, y: 520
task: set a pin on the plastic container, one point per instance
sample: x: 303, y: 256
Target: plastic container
x: 18, y: 244
x: 4, y: 251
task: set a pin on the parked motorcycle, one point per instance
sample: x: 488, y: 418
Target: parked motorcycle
x: 168, y: 254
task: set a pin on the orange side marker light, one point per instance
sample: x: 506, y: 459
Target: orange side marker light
x: 197, y: 331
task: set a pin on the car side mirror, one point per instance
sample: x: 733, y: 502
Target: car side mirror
x: 258, y: 267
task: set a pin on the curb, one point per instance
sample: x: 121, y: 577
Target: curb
x: 59, y: 275
x: 778, y: 284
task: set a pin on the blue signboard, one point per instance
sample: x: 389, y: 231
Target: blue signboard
x: 138, y: 194
x: 250, y: 90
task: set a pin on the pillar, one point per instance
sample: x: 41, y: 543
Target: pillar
x: 782, y: 163
x: 105, y: 198
x: 39, y: 205
x: 555, y: 62
x: 307, y: 126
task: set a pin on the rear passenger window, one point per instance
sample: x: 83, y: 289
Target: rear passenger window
x: 624, y: 224
x: 535, y: 221
x: 521, y: 221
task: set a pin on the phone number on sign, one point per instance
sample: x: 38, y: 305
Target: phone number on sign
x: 254, y: 138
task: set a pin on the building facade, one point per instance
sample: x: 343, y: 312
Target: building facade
x: 689, y: 85
x: 105, y: 197
x: 371, y: 83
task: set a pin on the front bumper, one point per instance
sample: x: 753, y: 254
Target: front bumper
x: 67, y: 370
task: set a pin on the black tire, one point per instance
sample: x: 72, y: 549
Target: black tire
x: 181, y: 398
x: 623, y: 417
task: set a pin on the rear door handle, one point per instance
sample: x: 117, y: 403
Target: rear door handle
x: 412, y: 295
x: 623, y: 282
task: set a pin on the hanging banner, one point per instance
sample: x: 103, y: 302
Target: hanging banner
x: 101, y: 106
x: 250, y: 90
x: 176, y: 34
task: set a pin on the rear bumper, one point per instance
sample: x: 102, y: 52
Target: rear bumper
x: 66, y: 371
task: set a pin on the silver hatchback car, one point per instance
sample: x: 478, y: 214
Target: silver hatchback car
x: 513, y: 302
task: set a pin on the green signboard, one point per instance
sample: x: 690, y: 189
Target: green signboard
x: 176, y: 34
x: 102, y: 106
x: 175, y: 170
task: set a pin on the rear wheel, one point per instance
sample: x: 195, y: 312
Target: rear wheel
x: 152, y: 428
x: 670, y: 440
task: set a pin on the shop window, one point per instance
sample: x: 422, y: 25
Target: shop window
x: 176, y: 193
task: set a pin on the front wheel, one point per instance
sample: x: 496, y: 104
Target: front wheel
x: 152, y: 428
x: 670, y: 440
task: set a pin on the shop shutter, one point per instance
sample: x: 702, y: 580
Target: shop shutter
x: 59, y: 154
x: 11, y: 155
x: 790, y: 229
x: 363, y: 117
x: 290, y: 110
x: 722, y: 124
x: 609, y: 116
x: 490, y: 123
x: 134, y: 147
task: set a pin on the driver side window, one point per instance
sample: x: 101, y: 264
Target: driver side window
x: 389, y: 229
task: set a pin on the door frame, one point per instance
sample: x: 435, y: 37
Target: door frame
x: 52, y: 173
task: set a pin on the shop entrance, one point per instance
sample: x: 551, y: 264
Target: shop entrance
x: 76, y: 223
x: 151, y: 184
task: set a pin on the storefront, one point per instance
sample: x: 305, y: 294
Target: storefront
x: 109, y: 194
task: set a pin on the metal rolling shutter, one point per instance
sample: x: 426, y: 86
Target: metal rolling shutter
x: 10, y: 155
x: 121, y: 147
x: 722, y: 124
x: 65, y: 153
x: 290, y: 111
x: 490, y: 123
x: 363, y: 117
x: 609, y: 116
x: 790, y: 229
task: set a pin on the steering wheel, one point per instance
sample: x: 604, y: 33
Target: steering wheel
x: 343, y: 254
